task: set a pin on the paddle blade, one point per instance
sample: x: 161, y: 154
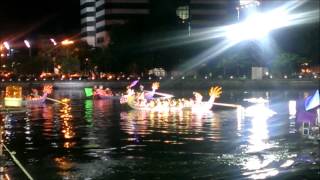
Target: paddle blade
x: 134, y: 83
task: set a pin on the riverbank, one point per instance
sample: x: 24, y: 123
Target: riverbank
x: 181, y: 83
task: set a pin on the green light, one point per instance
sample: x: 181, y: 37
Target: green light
x: 88, y: 104
x: 88, y: 91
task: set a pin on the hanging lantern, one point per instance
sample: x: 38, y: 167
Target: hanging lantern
x: 183, y: 13
x: 13, y: 97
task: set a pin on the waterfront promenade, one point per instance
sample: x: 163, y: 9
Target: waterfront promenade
x: 179, y: 83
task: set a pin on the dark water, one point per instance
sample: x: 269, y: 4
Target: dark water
x: 101, y: 139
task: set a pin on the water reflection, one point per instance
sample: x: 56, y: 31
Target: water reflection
x: 91, y: 135
x: 65, y: 166
x: 48, y: 124
x: 258, y: 139
x: 3, y: 169
x: 63, y: 163
x: 97, y: 116
x: 67, y: 126
x: 186, y: 125
x: 88, y: 113
x: 256, y: 165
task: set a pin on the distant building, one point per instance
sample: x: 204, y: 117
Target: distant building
x: 97, y: 16
x: 159, y: 72
x: 88, y: 21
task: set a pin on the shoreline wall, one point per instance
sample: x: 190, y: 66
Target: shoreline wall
x: 179, y: 84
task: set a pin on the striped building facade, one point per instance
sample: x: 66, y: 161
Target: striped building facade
x: 88, y: 21
x: 97, y: 16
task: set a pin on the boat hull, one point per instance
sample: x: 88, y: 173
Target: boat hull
x: 39, y: 100
x: 199, y: 107
x: 99, y: 96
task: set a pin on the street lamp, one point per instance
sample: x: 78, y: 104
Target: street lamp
x: 1, y: 48
x: 27, y: 43
x: 53, y: 41
x: 66, y: 42
x: 258, y: 25
x: 6, y: 45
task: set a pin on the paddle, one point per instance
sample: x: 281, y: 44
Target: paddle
x: 58, y: 101
x: 165, y: 95
x: 227, y: 105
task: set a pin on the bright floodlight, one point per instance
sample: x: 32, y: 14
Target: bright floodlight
x: 244, y: 3
x: 27, y: 43
x: 6, y: 44
x: 257, y: 26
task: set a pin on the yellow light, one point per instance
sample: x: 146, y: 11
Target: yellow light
x: 65, y: 100
x: 12, y: 102
x: 14, y: 92
x: 67, y: 42
x: 13, y: 96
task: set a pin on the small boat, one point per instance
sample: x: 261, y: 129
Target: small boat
x: 107, y: 96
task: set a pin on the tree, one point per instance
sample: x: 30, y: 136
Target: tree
x: 34, y: 65
x: 70, y: 65
x: 286, y: 63
x: 236, y: 61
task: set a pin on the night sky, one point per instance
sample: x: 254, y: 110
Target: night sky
x: 39, y: 17
x: 30, y: 19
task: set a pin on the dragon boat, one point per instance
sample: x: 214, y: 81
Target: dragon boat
x: 101, y: 94
x: 166, y: 102
x: 13, y: 96
x: 30, y: 100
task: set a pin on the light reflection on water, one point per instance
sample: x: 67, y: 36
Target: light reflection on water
x: 100, y: 139
x: 140, y: 124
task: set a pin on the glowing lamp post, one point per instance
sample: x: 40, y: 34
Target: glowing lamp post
x: 1, y: 53
x: 53, y: 41
x: 27, y: 43
x: 67, y: 42
x: 6, y: 45
x: 257, y: 26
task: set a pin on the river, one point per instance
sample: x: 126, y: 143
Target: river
x: 102, y: 139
